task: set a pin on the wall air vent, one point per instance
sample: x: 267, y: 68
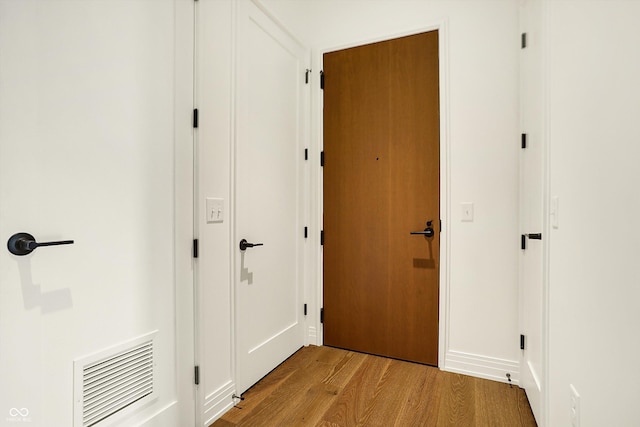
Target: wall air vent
x: 114, y: 382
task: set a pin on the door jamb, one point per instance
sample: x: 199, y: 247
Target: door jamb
x: 183, y: 213
x: 314, y: 333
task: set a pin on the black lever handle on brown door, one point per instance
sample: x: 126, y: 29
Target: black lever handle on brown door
x: 428, y: 232
x: 244, y: 244
x: 24, y: 243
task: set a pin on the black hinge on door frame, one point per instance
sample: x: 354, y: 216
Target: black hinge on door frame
x: 306, y: 154
x: 322, y: 158
x: 523, y: 140
x: 322, y: 315
x: 306, y: 76
x: 306, y: 232
x: 195, y: 248
x: 521, y: 342
x: 195, y: 117
x: 321, y: 79
x: 523, y: 40
x: 196, y: 372
x: 321, y: 237
x: 523, y: 241
x: 305, y: 309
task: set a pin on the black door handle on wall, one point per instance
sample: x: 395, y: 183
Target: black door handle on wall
x: 24, y: 243
x: 244, y: 244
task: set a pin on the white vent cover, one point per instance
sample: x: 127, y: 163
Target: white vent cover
x: 113, y: 382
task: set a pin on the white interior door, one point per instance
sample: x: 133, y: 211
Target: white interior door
x: 268, y: 174
x: 86, y: 154
x: 532, y: 296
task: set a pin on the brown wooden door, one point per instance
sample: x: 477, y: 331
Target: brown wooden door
x: 382, y: 181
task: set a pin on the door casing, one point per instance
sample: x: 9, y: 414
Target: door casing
x: 314, y: 326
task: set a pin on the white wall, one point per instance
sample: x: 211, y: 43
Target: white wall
x: 87, y: 131
x: 481, y: 103
x: 593, y: 110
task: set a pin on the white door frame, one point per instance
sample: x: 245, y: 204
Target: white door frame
x: 314, y: 327
x: 184, y: 280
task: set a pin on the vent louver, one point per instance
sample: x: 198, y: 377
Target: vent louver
x: 107, y: 385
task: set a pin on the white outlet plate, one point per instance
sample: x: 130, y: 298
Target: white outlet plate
x: 214, y: 210
x: 574, y: 406
x: 467, y: 211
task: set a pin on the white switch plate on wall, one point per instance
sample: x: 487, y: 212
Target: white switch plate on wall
x: 215, y: 210
x: 467, y: 211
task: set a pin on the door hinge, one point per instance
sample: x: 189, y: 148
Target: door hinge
x: 523, y: 140
x: 306, y: 76
x: 306, y: 154
x: 523, y: 40
x: 322, y: 158
x: 306, y: 232
x: 523, y: 242
x: 195, y: 248
x: 195, y: 118
x: 521, y: 342
x: 321, y: 237
x: 321, y: 79
x: 322, y: 315
x: 196, y: 372
x: 305, y: 309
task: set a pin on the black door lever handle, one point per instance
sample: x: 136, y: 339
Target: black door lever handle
x: 24, y: 243
x: 244, y: 244
x: 428, y: 232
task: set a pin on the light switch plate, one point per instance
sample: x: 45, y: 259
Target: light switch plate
x: 467, y: 211
x: 215, y: 210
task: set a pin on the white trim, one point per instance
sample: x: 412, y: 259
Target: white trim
x: 312, y: 334
x: 233, y: 123
x: 217, y: 403
x: 183, y: 215
x: 445, y: 169
x: 490, y: 368
x: 546, y: 229
x: 198, y: 345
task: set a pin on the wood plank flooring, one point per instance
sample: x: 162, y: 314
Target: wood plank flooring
x: 329, y: 387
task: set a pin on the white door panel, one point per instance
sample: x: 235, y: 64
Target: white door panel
x: 532, y: 304
x: 86, y: 153
x: 268, y: 177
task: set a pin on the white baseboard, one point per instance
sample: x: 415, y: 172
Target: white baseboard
x: 218, y: 402
x: 312, y: 337
x: 489, y: 368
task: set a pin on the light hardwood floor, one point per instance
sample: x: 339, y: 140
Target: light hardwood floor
x: 329, y: 387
